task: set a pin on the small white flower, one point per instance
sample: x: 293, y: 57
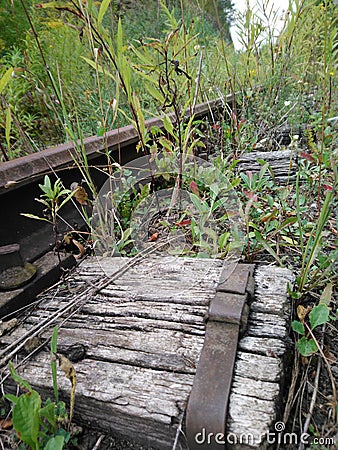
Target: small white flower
x: 114, y: 104
x: 287, y: 103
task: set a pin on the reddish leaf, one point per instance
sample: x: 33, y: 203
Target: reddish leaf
x: 250, y: 195
x: 194, y: 188
x: 307, y: 156
x: 183, y: 223
x: 241, y: 122
x: 154, y: 237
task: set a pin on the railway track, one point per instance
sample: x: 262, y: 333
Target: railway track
x: 206, y: 368
x: 19, y: 188
x: 19, y: 180
x: 29, y: 241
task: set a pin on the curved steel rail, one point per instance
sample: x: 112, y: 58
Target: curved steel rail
x: 24, y: 170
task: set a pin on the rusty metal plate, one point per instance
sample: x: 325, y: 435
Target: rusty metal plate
x: 238, y: 281
x: 227, y: 307
x: 208, y: 401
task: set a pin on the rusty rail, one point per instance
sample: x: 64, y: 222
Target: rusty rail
x: 24, y: 170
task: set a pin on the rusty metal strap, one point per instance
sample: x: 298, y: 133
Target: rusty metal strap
x: 208, y: 401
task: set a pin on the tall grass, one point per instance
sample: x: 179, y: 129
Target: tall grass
x: 65, y: 39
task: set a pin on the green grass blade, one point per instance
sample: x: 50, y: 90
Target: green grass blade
x: 102, y: 11
x: 53, y: 350
x: 5, y: 78
x: 268, y: 247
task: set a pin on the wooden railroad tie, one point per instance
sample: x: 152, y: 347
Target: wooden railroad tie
x: 177, y: 351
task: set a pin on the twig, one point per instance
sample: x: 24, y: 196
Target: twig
x: 98, y: 442
x: 1, y: 444
x: 291, y: 394
x: 20, y: 343
x: 333, y: 384
x: 178, y: 432
x: 312, y: 404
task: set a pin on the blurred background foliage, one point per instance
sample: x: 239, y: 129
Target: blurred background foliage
x: 35, y: 111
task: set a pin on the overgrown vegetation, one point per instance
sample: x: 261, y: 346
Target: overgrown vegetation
x: 87, y: 67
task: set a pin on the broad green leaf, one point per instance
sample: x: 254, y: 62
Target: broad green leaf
x: 215, y: 189
x: 26, y: 420
x: 319, y: 315
x: 326, y: 296
x: 306, y: 347
x: 155, y: 93
x: 102, y: 11
x: 48, y: 412
x: 264, y: 168
x: 119, y: 39
x: 5, y: 78
x: 66, y: 199
x: 46, y: 186
x: 55, y: 443
x: 198, y: 203
x: 168, y: 126
x: 288, y: 221
x: 223, y: 239
x: 298, y: 327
